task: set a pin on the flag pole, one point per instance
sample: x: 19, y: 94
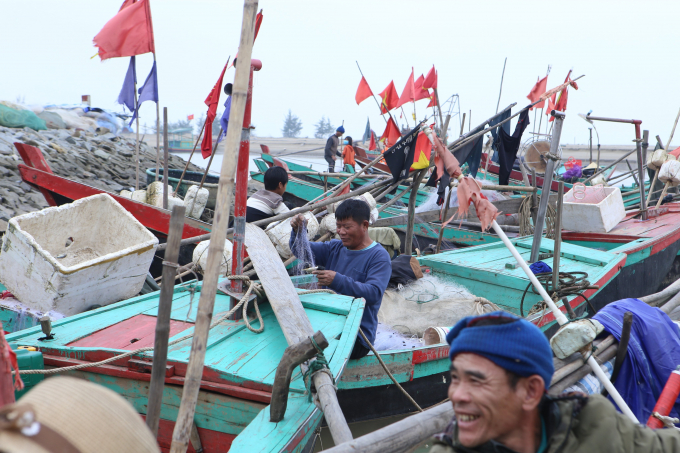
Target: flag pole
x: 501, y: 90
x: 374, y: 98
x: 190, y: 156
x: 405, y: 117
x: 158, y: 126
x: 137, y: 139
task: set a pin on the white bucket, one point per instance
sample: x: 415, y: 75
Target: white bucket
x: 195, y: 201
x: 435, y: 335
x: 280, y: 234
x: 200, y: 256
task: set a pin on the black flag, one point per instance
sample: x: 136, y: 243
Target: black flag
x: 400, y: 157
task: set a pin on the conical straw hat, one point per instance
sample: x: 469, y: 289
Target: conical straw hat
x: 89, y: 417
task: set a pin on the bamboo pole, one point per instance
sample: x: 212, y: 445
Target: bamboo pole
x: 190, y: 156
x: 408, y: 245
x: 158, y: 129
x: 137, y: 137
x: 500, y: 91
x: 165, y: 158
x: 441, y: 225
x: 192, y: 383
x: 656, y: 173
x: 160, y: 347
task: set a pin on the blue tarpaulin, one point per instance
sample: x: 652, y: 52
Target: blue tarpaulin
x: 653, y: 353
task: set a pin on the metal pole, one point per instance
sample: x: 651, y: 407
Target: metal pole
x: 591, y: 146
x: 165, y: 158
x: 558, y: 238
x: 547, y: 182
x: 160, y: 346
x: 241, y: 194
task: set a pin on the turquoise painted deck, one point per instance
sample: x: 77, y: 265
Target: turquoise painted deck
x: 482, y: 270
x: 234, y: 356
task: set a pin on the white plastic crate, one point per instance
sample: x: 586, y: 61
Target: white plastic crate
x: 600, y: 210
x: 71, y: 257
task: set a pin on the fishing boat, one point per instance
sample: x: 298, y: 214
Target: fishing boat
x: 181, y: 140
x: 58, y: 191
x: 233, y: 412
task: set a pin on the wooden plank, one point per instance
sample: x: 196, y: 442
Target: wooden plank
x: 133, y: 333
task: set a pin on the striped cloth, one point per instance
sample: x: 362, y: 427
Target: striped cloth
x: 591, y: 384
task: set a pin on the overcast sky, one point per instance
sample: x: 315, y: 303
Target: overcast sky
x: 628, y: 51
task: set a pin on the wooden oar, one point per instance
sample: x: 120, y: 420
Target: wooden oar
x: 194, y: 372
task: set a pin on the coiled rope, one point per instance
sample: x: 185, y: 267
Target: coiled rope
x: 525, y: 226
x: 570, y: 284
x: 242, y: 303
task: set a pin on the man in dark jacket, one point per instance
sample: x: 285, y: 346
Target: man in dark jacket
x: 331, y: 150
x: 501, y: 368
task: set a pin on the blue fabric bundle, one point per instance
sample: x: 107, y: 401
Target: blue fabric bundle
x: 519, y: 346
x: 539, y: 267
x: 653, y: 353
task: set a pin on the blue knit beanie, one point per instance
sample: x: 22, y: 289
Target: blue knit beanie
x: 340, y: 129
x: 519, y: 346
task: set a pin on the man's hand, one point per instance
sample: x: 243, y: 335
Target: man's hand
x: 335, y: 158
x: 325, y: 277
x: 297, y: 222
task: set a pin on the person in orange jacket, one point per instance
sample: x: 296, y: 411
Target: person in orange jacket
x: 348, y: 152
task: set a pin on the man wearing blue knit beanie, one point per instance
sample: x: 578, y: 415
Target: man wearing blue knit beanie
x: 501, y: 368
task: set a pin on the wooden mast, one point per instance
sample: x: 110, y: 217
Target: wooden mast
x: 192, y: 384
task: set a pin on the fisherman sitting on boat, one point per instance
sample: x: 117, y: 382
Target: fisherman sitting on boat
x: 331, y: 150
x: 268, y: 202
x: 501, y: 367
x: 355, y: 265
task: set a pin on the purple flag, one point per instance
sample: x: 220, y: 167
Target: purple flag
x: 127, y: 93
x: 148, y: 91
x: 224, y: 121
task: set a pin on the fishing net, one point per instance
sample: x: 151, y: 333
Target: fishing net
x: 20, y: 118
x: 303, y: 252
x: 429, y: 302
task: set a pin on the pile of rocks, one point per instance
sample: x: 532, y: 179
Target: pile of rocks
x: 102, y: 161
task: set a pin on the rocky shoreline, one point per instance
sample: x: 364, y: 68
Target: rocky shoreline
x: 103, y: 161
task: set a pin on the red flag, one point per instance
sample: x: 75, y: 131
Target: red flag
x: 363, y: 92
x: 128, y: 33
x: 190, y: 117
x: 389, y: 98
x: 536, y: 92
x: 371, y: 145
x: 420, y: 91
x: 433, y: 100
x: 422, y: 154
x: 430, y: 79
x: 211, y: 101
x: 561, y: 104
x: 407, y: 94
x: 391, y: 133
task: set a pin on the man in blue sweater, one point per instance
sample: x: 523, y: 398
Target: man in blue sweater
x: 354, y: 266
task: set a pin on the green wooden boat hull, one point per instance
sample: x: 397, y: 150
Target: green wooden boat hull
x: 232, y: 411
